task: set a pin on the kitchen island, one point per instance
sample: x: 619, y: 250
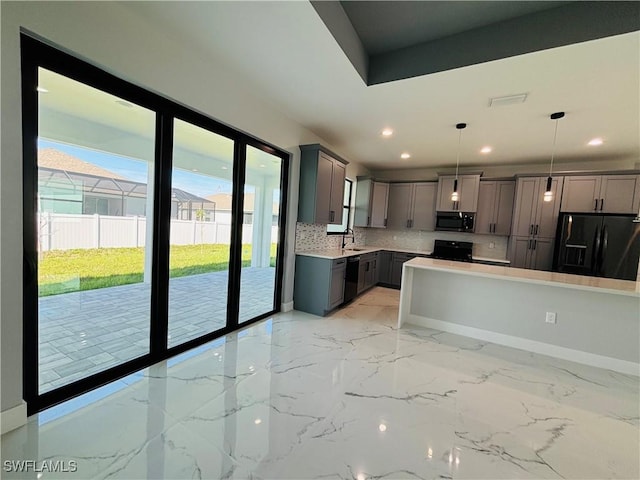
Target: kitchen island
x: 597, y: 320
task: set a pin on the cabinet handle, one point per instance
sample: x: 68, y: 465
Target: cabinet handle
x: 368, y: 221
x: 385, y: 222
x: 535, y: 232
x: 535, y: 243
x: 407, y: 223
x: 530, y: 229
x: 601, y: 204
x: 529, y: 244
x: 411, y: 223
x: 595, y: 204
x: 340, y: 262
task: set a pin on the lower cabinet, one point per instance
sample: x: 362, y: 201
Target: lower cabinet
x: 384, y: 267
x: 533, y: 253
x: 397, y: 260
x: 319, y: 284
x: 368, y: 273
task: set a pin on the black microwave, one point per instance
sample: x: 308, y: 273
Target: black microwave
x: 455, y: 222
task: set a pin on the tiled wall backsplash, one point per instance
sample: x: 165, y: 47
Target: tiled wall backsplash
x: 314, y: 237
x: 417, y: 240
x: 311, y: 236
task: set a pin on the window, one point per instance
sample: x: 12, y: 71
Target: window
x: 346, y: 214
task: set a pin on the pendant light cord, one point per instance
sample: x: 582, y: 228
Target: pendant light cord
x: 553, y: 149
x: 458, y: 157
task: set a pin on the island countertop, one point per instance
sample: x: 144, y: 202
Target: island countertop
x: 564, y: 280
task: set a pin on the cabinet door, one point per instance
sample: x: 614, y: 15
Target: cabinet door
x: 503, y: 207
x: 396, y: 271
x: 525, y: 207
x: 362, y: 208
x: 376, y: 270
x: 323, y: 188
x: 485, y: 216
x: 547, y: 212
x: 520, y: 252
x: 336, y: 292
x: 399, y: 203
x: 581, y: 194
x: 337, y: 192
x: 445, y: 188
x: 617, y: 194
x: 423, y: 213
x: 542, y: 254
x: 468, y: 187
x: 384, y: 267
x: 362, y: 271
x: 379, y: 203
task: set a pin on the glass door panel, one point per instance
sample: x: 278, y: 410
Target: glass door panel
x: 200, y: 234
x: 260, y: 233
x: 94, y: 195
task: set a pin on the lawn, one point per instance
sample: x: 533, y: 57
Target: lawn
x: 62, y: 271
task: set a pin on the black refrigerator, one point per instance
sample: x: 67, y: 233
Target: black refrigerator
x: 598, y: 245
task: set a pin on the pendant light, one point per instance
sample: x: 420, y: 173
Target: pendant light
x: 454, y: 195
x: 548, y: 193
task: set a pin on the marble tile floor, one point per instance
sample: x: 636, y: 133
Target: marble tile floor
x: 347, y: 396
x: 82, y: 333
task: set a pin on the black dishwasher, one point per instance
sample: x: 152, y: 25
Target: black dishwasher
x: 351, y: 278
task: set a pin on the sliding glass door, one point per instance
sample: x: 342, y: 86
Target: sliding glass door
x: 95, y: 164
x: 200, y: 232
x: 149, y: 228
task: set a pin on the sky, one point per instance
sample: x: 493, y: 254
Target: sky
x: 136, y: 170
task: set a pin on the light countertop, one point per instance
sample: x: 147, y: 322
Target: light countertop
x: 580, y: 282
x: 335, y: 253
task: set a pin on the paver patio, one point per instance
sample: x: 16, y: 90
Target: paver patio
x: 82, y: 333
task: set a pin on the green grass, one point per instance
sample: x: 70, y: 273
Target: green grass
x: 62, y: 271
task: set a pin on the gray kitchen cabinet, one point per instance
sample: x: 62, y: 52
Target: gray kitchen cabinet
x: 495, y: 207
x: 533, y: 253
x: 362, y: 271
x: 412, y: 206
x: 397, y: 261
x: 322, y: 175
x: 533, y: 217
x: 601, y: 193
x: 384, y: 267
x: 318, y: 284
x: 468, y: 187
x: 371, y: 203
x: 367, y: 274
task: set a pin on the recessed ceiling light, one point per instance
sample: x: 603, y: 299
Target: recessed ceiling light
x: 224, y: 168
x: 42, y: 90
x: 257, y: 421
x: 486, y: 149
x: 387, y: 132
x: 405, y: 155
x: 124, y: 103
x: 595, y: 142
x: 382, y: 427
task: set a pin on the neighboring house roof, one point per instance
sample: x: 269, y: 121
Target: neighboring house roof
x: 57, y: 160
x: 223, y: 202
x: 59, y: 167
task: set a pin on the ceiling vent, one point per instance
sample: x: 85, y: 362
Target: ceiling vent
x: 508, y: 100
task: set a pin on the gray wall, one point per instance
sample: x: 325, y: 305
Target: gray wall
x: 598, y: 323
x: 121, y: 41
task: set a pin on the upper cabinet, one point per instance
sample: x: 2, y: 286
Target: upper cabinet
x: 371, y: 203
x: 601, y: 193
x: 322, y: 175
x: 532, y: 215
x: 468, y: 186
x: 495, y: 207
x: 412, y: 205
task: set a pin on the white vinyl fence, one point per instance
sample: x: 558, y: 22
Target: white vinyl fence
x: 62, y: 231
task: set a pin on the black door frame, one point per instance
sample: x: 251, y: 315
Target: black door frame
x: 35, y: 53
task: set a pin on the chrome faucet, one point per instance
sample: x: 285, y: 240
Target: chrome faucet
x: 346, y: 234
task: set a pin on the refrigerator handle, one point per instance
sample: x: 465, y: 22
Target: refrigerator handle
x: 595, y: 254
x: 603, y: 249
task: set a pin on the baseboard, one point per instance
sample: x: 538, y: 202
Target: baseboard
x: 13, y: 418
x: 286, y: 307
x: 592, y: 359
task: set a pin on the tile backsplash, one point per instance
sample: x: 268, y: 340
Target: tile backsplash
x: 311, y: 236
x: 314, y: 237
x: 418, y: 240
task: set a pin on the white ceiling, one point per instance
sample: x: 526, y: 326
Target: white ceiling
x: 289, y: 57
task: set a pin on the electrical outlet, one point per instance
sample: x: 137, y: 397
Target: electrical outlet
x: 492, y: 245
x: 550, y: 317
